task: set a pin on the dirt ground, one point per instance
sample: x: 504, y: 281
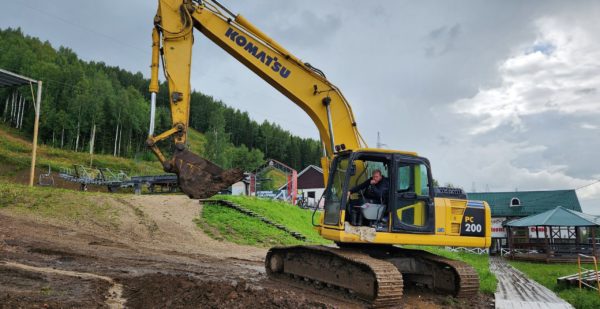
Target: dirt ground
x: 154, y: 258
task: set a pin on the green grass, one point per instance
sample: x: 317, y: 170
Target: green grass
x: 481, y: 263
x: 276, y: 179
x: 15, y: 156
x: 60, y: 204
x: 229, y: 224
x: 196, y: 142
x: 546, y: 274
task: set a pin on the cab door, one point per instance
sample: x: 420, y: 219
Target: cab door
x: 335, y: 197
x: 412, y: 206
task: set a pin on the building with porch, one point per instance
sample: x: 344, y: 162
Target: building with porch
x: 507, y: 206
x: 561, y: 235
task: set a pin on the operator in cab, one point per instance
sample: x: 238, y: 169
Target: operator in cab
x: 375, y: 188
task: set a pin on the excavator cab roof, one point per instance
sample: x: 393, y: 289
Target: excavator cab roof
x: 380, y: 150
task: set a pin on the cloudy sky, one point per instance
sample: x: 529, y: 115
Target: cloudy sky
x: 500, y: 96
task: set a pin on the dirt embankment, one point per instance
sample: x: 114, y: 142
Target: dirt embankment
x: 153, y: 257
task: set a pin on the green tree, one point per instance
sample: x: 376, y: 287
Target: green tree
x: 217, y: 140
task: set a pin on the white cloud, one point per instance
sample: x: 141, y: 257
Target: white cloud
x: 555, y: 76
x: 493, y: 166
x: 558, y: 72
x: 588, y: 126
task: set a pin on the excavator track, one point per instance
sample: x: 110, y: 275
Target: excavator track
x: 467, y: 284
x: 376, y: 281
x: 438, y: 273
x: 375, y: 274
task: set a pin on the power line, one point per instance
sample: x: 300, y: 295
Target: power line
x: 588, y: 185
x: 83, y: 27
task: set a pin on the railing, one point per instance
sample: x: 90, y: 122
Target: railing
x: 558, y: 249
x: 479, y: 251
x: 46, y: 179
x: 587, y: 274
x: 508, y: 251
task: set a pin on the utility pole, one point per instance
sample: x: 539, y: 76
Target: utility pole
x: 35, y: 131
x: 379, y: 143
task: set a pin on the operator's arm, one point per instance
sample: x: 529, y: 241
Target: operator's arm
x: 361, y: 186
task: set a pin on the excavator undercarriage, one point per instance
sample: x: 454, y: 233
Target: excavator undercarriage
x: 375, y: 274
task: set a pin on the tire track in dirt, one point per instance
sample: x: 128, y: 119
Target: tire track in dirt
x: 145, y: 220
x: 115, y: 292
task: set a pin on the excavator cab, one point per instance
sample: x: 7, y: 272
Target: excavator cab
x: 408, y: 206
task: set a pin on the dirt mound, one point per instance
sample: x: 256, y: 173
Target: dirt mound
x: 181, y: 291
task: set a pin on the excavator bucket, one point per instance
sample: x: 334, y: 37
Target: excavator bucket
x: 200, y: 178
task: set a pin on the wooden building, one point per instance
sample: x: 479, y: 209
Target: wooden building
x: 507, y: 206
x: 560, y: 236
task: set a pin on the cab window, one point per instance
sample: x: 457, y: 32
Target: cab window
x: 413, y: 178
x: 364, y: 170
x: 412, y: 185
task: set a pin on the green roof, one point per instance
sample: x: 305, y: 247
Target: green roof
x: 531, y: 202
x: 557, y: 217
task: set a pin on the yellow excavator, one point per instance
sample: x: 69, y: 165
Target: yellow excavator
x: 368, y: 260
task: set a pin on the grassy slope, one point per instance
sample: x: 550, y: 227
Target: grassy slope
x: 61, y: 204
x: 238, y: 228
x: 276, y: 178
x: 15, y: 151
x: 223, y: 223
x: 546, y: 274
x: 196, y: 141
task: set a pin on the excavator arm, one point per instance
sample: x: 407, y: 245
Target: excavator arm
x: 306, y: 86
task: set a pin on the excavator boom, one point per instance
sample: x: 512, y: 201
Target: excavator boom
x: 303, y: 84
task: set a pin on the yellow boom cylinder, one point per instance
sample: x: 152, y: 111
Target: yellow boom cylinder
x: 155, y: 59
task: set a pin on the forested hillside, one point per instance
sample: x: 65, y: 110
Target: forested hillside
x: 79, y: 96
